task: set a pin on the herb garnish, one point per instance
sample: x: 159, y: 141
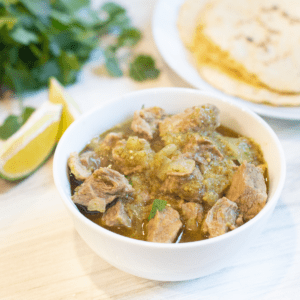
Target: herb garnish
x: 158, y: 205
x: 42, y: 38
x: 143, y: 68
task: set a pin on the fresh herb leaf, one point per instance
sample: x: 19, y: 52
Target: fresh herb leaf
x: 41, y: 9
x: 112, y: 63
x: 44, y: 38
x: 9, y: 127
x: 129, y: 37
x: 63, y: 18
x: 112, y: 9
x: 72, y: 6
x: 8, y: 2
x: 86, y: 17
x: 8, y: 21
x: 158, y: 205
x: 27, y: 112
x: 13, y: 123
x: 143, y: 68
x: 24, y: 36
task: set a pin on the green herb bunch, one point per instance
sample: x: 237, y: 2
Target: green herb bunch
x: 44, y: 38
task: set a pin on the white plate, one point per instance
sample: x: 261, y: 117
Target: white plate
x: 164, y: 27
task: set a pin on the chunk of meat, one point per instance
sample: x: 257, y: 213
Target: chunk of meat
x: 90, y: 160
x: 176, y: 166
x: 164, y: 227
x: 111, y: 139
x: 83, y: 165
x: 116, y: 216
x: 181, y: 167
x: 220, y: 218
x: 248, y: 190
x: 188, y: 187
x: 193, y: 214
x: 198, y: 118
x: 133, y: 155
x: 202, y: 150
x: 105, y: 147
x: 101, y: 188
x: 145, y: 121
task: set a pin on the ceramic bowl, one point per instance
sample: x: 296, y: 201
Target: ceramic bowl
x: 157, y: 261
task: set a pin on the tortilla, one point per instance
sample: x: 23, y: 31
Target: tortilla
x: 251, y: 48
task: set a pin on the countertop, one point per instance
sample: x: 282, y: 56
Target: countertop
x: 43, y: 257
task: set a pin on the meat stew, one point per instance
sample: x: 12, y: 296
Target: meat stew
x: 207, y: 179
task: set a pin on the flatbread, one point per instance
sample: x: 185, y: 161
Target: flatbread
x: 245, y: 91
x: 263, y: 37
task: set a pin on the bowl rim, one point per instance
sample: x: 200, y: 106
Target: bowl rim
x: 168, y: 246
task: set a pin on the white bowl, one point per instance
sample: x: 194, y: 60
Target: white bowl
x: 168, y: 262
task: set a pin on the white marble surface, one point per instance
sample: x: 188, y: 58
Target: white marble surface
x: 42, y: 256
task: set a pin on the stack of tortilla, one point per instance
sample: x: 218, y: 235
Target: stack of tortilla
x: 246, y: 48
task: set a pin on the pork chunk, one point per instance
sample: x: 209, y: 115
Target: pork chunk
x: 202, y: 150
x: 101, y: 188
x: 181, y: 167
x: 90, y: 160
x: 133, y: 155
x: 164, y: 227
x: 248, y: 190
x: 105, y: 147
x: 82, y: 166
x: 193, y: 214
x: 116, y: 216
x: 111, y: 139
x: 220, y: 218
x: 188, y: 187
x: 145, y: 121
x: 176, y: 166
x: 197, y: 118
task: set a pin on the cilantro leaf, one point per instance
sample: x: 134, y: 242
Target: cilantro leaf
x: 129, y: 37
x: 158, y: 205
x: 24, y: 36
x: 112, y: 63
x: 143, y: 68
x: 42, y: 9
x: 44, y: 38
x: 9, y: 127
x: 72, y: 6
x: 13, y: 123
x: 8, y: 21
x: 112, y: 9
x: 27, y: 112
